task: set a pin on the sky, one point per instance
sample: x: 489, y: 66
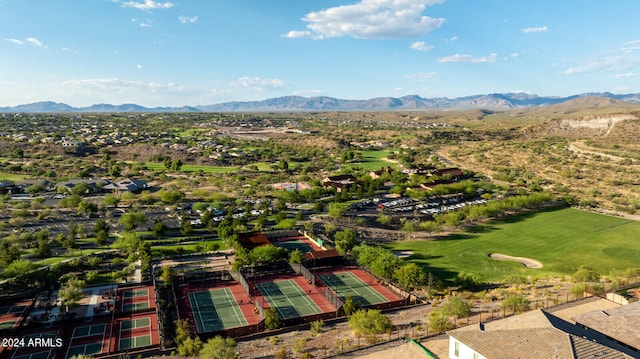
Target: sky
x: 201, y: 52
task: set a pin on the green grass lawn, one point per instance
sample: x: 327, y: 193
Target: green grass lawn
x: 562, y: 239
x: 372, y: 160
x: 6, y: 176
x: 193, y: 168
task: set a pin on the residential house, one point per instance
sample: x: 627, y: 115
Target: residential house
x: 341, y: 181
x: 542, y: 334
x: 126, y: 185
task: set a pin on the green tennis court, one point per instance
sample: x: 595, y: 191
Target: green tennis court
x: 134, y: 307
x: 38, y: 355
x: 8, y: 324
x: 288, y: 299
x: 135, y: 293
x: 348, y: 284
x: 135, y: 323
x: 134, y: 342
x: 89, y: 330
x: 84, y: 349
x: 50, y: 334
x: 12, y: 309
x: 293, y: 245
x: 215, y: 309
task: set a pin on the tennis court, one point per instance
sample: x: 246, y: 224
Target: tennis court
x: 293, y: 245
x: 8, y: 324
x: 12, y: 309
x: 134, y: 342
x: 89, y: 330
x: 348, y: 284
x: 37, y: 355
x: 49, y: 334
x: 134, y: 300
x: 135, y: 293
x: 135, y: 333
x: 134, y: 307
x: 130, y: 324
x: 215, y: 309
x: 84, y: 349
x: 288, y: 299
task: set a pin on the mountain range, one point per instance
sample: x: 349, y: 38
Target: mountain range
x: 503, y: 101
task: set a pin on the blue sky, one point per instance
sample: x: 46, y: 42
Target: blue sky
x: 199, y: 52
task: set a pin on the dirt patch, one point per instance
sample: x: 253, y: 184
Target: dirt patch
x: 527, y: 262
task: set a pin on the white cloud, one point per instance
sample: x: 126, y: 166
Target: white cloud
x: 147, y: 5
x: 371, y: 19
x: 422, y: 77
x: 14, y: 41
x: 622, y: 62
x: 144, y: 24
x: 293, y: 34
x: 258, y: 83
x: 187, y: 19
x: 468, y: 58
x: 625, y: 75
x: 139, y: 66
x: 529, y: 30
x: 35, y: 42
x: 420, y: 46
x: 453, y: 38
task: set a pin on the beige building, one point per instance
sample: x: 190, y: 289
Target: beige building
x: 610, y: 331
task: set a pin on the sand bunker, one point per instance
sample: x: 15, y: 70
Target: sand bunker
x: 527, y: 262
x: 403, y: 254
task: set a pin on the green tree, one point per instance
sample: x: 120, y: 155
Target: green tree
x: 219, y: 348
x: 383, y: 219
x: 114, y: 171
x: 439, y: 322
x: 86, y: 208
x: 176, y: 165
x: 264, y: 254
x: 71, y: 292
x: 158, y: 229
x: 316, y: 327
x: 336, y: 210
x: 166, y: 275
x: 182, y: 327
x: 170, y: 197
x: 8, y: 253
x: 81, y: 189
x: 350, y: 305
x: 345, y: 241
x: 190, y: 347
x: 186, y: 227
x: 516, y: 303
x: 111, y: 200
x: 586, y: 274
x: 295, y: 256
x: 370, y: 321
x: 43, y: 250
x: 272, y: 319
x: 409, y: 276
x: 456, y: 306
x: 128, y: 242
x: 101, y: 229
x: 131, y: 220
x: 18, y: 267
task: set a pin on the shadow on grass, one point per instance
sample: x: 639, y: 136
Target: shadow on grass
x: 515, y: 218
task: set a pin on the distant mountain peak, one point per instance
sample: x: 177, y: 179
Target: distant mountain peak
x: 493, y: 101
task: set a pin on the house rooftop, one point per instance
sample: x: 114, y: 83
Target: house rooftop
x: 538, y: 334
x: 621, y: 323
